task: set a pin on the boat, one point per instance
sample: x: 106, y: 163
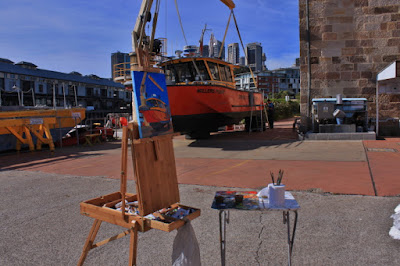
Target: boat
x: 202, y: 93
x: 24, y: 126
x: 203, y: 101
x: 156, y: 113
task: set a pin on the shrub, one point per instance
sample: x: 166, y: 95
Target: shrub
x: 285, y: 109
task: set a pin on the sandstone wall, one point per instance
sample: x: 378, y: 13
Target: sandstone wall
x: 351, y: 41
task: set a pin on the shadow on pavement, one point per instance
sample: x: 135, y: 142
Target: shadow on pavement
x: 13, y: 161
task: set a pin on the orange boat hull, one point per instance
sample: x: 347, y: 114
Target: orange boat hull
x: 208, y: 107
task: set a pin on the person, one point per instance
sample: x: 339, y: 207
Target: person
x: 270, y: 113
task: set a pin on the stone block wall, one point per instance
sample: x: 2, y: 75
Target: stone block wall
x: 351, y: 41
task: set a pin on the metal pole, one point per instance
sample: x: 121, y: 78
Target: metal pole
x: 76, y: 97
x: 54, y: 95
x: 77, y: 132
x: 308, y: 59
x: 19, y: 97
x: 288, y: 235
x: 65, y: 102
x: 33, y: 97
x: 59, y: 130
x: 223, y: 219
x: 377, y: 107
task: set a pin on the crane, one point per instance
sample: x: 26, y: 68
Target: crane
x: 144, y: 47
x: 201, y: 40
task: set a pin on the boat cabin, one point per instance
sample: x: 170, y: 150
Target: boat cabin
x: 183, y: 71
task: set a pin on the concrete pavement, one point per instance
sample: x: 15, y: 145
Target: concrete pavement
x: 41, y: 225
x: 340, y: 223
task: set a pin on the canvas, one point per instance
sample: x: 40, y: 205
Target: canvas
x: 150, y: 98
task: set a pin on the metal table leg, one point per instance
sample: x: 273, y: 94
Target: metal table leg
x: 223, y: 220
x: 286, y: 219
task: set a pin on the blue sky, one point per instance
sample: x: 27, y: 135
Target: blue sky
x: 80, y: 35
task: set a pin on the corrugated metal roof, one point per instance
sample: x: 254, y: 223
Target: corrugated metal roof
x: 42, y: 73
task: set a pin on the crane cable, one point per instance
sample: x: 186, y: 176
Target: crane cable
x: 226, y: 31
x: 184, y: 36
x: 241, y: 42
x: 180, y: 21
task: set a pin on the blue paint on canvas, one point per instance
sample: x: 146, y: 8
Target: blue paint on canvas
x: 151, y: 103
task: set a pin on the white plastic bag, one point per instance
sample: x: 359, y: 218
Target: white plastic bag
x: 395, y: 230
x: 186, y: 251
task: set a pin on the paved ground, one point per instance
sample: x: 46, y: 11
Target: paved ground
x: 348, y: 225
x: 340, y: 167
x: 41, y: 225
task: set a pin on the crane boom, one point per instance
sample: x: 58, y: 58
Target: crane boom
x: 229, y: 3
x: 142, y: 49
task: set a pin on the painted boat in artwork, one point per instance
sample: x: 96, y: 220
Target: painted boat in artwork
x: 18, y: 119
x: 156, y: 113
x: 206, y: 98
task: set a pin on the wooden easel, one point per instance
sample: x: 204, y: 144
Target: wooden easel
x: 156, y: 187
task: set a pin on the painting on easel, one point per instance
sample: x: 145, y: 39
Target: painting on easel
x: 150, y: 97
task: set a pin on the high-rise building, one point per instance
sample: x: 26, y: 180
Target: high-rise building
x: 254, y: 56
x: 118, y: 59
x: 242, y: 61
x: 206, y: 51
x: 215, y: 47
x: 233, y: 53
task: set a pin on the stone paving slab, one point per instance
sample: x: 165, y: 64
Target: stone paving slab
x: 243, y: 160
x: 384, y: 159
x: 334, y: 177
x: 272, y: 150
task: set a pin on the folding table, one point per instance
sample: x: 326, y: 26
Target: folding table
x: 224, y: 201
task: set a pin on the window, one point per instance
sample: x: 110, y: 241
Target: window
x: 71, y: 90
x: 89, y: 92
x: 214, y: 70
x: 2, y: 84
x: 203, y: 70
x: 222, y: 72
x: 40, y: 88
x: 185, y: 72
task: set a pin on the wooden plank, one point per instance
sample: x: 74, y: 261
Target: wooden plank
x: 48, y: 136
x: 29, y: 139
x: 124, y: 161
x: 157, y: 184
x: 108, y: 215
x: 16, y: 133
x: 168, y: 227
x: 100, y: 201
x: 133, y: 245
x: 108, y: 240
x: 89, y: 241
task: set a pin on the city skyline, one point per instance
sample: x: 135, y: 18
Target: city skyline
x: 78, y: 36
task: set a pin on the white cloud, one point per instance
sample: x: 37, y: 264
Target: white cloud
x: 286, y: 60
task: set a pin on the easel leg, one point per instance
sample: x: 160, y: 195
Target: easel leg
x: 223, y: 220
x: 133, y: 245
x: 89, y: 241
x: 290, y: 239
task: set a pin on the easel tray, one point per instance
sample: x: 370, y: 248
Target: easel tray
x: 167, y: 219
